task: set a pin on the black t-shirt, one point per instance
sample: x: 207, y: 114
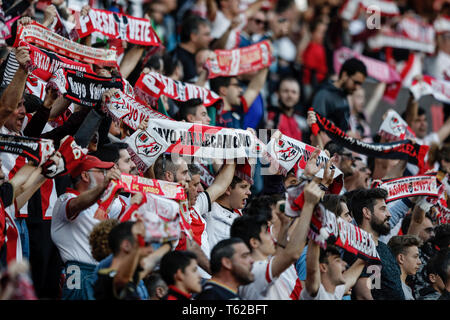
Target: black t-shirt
x: 214, y: 291
x: 188, y: 61
x: 390, y: 284
x: 7, y: 198
x: 103, y: 287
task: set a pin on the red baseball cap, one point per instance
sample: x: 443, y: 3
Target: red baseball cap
x: 90, y: 162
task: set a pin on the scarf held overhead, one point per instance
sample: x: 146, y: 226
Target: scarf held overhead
x: 234, y: 62
x: 83, y: 88
x: 34, y: 149
x: 117, y: 26
x: 405, y: 149
x: 40, y: 35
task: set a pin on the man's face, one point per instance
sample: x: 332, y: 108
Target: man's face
x: 241, y: 263
x: 96, y: 177
x: 203, y: 38
x: 233, y: 5
x: 380, y: 218
x: 182, y: 174
x: 420, y: 126
x: 335, y: 269
x: 157, y: 12
x: 289, y: 93
x: 256, y: 24
x: 234, y: 92
x: 239, y: 195
x: 353, y: 82
x: 15, y: 120
x: 201, y: 116
x: 319, y: 33
x: 191, y: 278
x: 346, y: 163
x: 358, y: 99
x: 426, y: 230
x: 345, y: 213
x: 411, y: 261
x: 362, y: 173
x: 267, y: 246
x: 195, y: 187
x: 125, y: 164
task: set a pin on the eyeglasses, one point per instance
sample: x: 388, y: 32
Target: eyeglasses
x: 259, y: 21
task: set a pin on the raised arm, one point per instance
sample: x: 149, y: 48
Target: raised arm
x: 221, y: 182
x: 312, y: 282
x: 284, y: 258
x: 353, y: 273
x: 211, y: 7
x: 13, y: 93
x: 89, y: 197
x: 255, y: 86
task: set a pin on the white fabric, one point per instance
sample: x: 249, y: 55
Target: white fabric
x: 220, y: 25
x: 198, y: 210
x: 218, y: 223
x: 72, y: 237
x: 428, y: 140
x: 322, y: 294
x: 284, y: 285
x: 258, y: 289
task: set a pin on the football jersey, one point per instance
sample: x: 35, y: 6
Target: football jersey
x: 218, y: 223
x: 71, y: 237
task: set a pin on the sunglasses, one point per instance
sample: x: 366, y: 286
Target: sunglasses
x: 259, y: 21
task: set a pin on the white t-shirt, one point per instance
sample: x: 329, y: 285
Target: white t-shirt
x: 221, y: 24
x: 322, y: 294
x: 218, y: 223
x: 267, y: 287
x: 71, y: 237
x: 258, y: 289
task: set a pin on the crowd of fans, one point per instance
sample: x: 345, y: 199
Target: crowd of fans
x: 239, y: 240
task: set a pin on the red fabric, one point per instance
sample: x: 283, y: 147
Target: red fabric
x: 295, y: 294
x: 314, y: 58
x: 289, y: 127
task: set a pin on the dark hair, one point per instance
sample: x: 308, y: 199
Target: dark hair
x: 333, y: 147
x: 110, y: 152
x: 288, y: 78
x: 188, y: 107
x: 223, y: 249
x: 152, y: 282
x: 247, y: 227
x: 442, y: 236
x: 170, y: 62
x: 332, y: 202
x: 399, y: 244
x: 216, y: 83
x: 118, y: 234
x: 191, y: 24
x: 173, y: 261
x: 235, y: 181
x: 194, y: 169
x: 261, y: 206
x: 407, y: 221
x: 443, y: 264
x: 164, y: 164
x: 331, y: 250
x: 420, y: 111
x: 431, y: 268
x: 352, y: 66
x: 365, y: 198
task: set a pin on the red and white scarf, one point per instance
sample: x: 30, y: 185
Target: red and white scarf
x: 351, y: 9
x: 234, y: 62
x: 40, y: 35
x: 439, y: 89
x: 394, y: 128
x: 151, y: 86
x: 376, y: 69
x: 413, y: 186
x: 117, y: 26
x: 442, y: 24
x: 327, y: 228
